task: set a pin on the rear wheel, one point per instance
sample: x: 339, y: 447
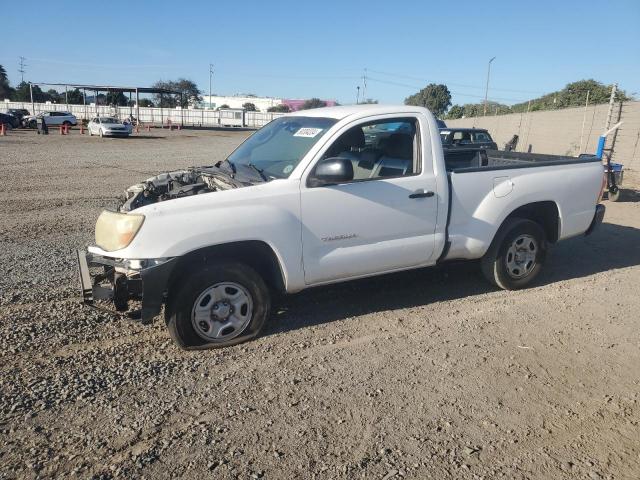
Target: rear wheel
x: 516, y: 254
x: 217, y: 306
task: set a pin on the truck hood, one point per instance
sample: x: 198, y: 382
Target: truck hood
x: 267, y: 211
x: 191, y: 181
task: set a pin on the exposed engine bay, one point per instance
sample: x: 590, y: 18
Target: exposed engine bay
x: 184, y: 183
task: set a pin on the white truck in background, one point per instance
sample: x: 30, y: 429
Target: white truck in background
x: 323, y: 196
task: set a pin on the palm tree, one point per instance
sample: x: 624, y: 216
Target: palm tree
x: 3, y: 75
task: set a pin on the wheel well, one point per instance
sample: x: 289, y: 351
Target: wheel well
x: 254, y: 253
x: 545, y: 214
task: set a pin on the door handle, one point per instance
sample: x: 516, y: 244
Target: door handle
x: 421, y: 194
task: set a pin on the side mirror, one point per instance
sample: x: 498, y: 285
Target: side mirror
x: 331, y: 171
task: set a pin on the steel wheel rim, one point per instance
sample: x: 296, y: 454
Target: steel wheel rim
x: 521, y: 256
x: 222, y: 312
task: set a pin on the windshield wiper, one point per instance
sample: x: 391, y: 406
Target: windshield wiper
x: 259, y: 170
x: 231, y: 164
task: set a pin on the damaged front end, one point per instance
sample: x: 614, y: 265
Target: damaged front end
x: 184, y: 183
x: 123, y: 281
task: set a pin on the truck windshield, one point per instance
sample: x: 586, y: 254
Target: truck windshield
x: 277, y: 148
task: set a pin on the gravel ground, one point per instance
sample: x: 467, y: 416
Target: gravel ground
x: 425, y: 374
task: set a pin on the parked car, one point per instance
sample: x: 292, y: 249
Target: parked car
x: 310, y: 200
x: 464, y: 137
x: 19, y: 113
x: 108, y: 126
x: 6, y: 119
x: 51, y: 118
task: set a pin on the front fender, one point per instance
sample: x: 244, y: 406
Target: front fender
x: 267, y: 213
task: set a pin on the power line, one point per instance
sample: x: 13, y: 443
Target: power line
x: 409, y: 77
x: 406, y: 85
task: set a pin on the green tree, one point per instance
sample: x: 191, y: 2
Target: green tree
x: 313, y: 103
x: 22, y: 93
x: 116, y: 98
x: 280, y: 108
x: 187, y: 91
x: 436, y: 98
x: 5, y: 89
x: 145, y: 102
x: 53, y: 96
x: 456, y: 111
x: 224, y: 105
x: 572, y: 95
x: 249, y: 107
x: 471, y: 109
x: 75, y: 97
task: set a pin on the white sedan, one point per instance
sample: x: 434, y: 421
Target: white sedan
x: 108, y: 126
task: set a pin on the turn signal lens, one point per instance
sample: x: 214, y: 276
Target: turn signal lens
x: 115, y: 231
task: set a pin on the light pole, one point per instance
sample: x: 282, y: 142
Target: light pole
x: 486, y: 91
x: 358, y: 95
x: 210, y: 82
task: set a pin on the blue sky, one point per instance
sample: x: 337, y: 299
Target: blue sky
x: 297, y: 49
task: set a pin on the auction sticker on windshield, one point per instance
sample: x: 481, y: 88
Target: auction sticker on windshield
x: 307, y: 132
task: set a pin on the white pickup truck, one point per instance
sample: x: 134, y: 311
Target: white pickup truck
x: 323, y: 196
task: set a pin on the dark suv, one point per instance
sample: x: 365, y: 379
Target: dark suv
x: 467, y: 137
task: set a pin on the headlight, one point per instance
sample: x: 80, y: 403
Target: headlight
x: 115, y: 231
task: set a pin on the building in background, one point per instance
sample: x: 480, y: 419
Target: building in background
x: 261, y: 103
x: 237, y: 101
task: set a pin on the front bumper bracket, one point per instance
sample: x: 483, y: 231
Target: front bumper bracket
x: 148, y: 285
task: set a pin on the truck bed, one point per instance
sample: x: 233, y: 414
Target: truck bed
x: 473, y: 160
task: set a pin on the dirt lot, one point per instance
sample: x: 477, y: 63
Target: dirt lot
x: 426, y: 374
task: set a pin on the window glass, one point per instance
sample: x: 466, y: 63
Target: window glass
x: 277, y: 148
x: 461, y: 137
x: 481, y: 137
x: 380, y: 149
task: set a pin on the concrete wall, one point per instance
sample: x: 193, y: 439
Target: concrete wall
x: 559, y: 132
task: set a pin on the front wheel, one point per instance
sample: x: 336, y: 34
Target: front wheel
x: 217, y: 306
x: 516, y: 254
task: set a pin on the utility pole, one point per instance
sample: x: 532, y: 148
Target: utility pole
x: 33, y: 107
x: 584, y: 119
x: 358, y: 95
x: 612, y: 100
x: 21, y: 70
x: 486, y: 90
x: 210, y: 82
x: 364, y: 84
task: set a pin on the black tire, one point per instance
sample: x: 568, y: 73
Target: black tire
x: 67, y: 123
x: 181, y: 302
x: 33, y: 124
x: 496, y: 262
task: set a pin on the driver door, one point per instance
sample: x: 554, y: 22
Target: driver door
x: 382, y: 220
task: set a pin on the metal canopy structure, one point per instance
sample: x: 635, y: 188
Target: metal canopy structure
x: 108, y: 89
